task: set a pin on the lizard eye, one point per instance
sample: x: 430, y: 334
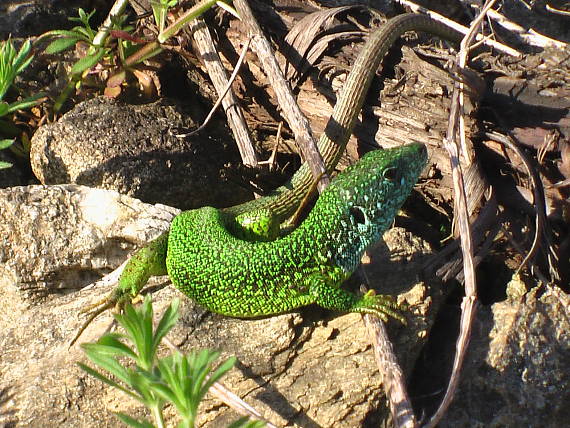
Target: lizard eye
x: 389, y: 174
x: 357, y: 215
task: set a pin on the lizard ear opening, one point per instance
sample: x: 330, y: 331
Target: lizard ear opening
x: 357, y: 215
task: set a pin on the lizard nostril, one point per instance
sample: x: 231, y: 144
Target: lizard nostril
x: 423, y: 151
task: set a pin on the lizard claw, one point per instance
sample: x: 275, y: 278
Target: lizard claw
x: 113, y: 300
x: 381, y: 305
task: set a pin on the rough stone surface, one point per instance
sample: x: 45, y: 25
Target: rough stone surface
x: 308, y: 367
x: 65, y: 237
x: 32, y: 17
x: 518, y: 371
x: 133, y: 149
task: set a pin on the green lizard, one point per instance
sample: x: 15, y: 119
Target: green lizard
x: 240, y: 278
x: 246, y: 277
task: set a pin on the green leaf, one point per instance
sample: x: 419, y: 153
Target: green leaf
x: 106, y: 380
x: 4, y: 108
x: 4, y: 165
x: 11, y: 63
x: 85, y: 17
x: 61, y: 44
x: 159, y: 13
x: 23, y: 58
x: 166, y: 323
x: 140, y: 381
x: 175, y: 375
x: 202, y: 362
x: 138, y: 325
x: 126, y: 419
x: 220, y: 371
x: 114, y: 351
x: 87, y: 62
x: 111, y: 345
x: 4, y: 144
x: 246, y: 423
x: 164, y: 392
x: 72, y: 34
x: 105, y: 361
x: 25, y: 103
x: 85, y: 34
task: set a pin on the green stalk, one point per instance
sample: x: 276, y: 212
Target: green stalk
x: 144, y: 53
x: 117, y: 10
x: 158, y: 417
x: 196, y: 10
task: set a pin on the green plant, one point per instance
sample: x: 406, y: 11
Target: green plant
x: 99, y: 47
x: 12, y: 63
x: 159, y: 11
x: 79, y: 33
x: 115, y: 44
x: 4, y: 144
x: 181, y: 380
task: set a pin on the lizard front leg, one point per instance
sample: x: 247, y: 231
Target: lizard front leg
x: 328, y: 294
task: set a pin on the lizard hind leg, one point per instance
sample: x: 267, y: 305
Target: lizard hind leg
x: 144, y: 263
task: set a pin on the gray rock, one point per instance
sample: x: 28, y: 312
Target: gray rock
x: 33, y: 17
x: 131, y: 149
x: 67, y: 236
x: 308, y: 367
x: 518, y: 371
x: 312, y: 367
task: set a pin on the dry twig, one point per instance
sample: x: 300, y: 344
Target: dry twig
x: 217, y: 73
x: 293, y: 115
x: 462, y: 29
x: 392, y: 374
x: 220, y: 100
x: 462, y: 215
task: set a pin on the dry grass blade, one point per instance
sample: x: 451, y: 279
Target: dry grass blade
x: 541, y: 232
x: 307, y: 40
x: 221, y: 97
x: 392, y: 374
x: 436, y: 16
x: 530, y: 37
x: 217, y: 73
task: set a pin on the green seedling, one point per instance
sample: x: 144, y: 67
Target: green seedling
x: 134, y: 367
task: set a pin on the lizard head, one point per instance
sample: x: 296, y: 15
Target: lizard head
x: 362, y: 201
